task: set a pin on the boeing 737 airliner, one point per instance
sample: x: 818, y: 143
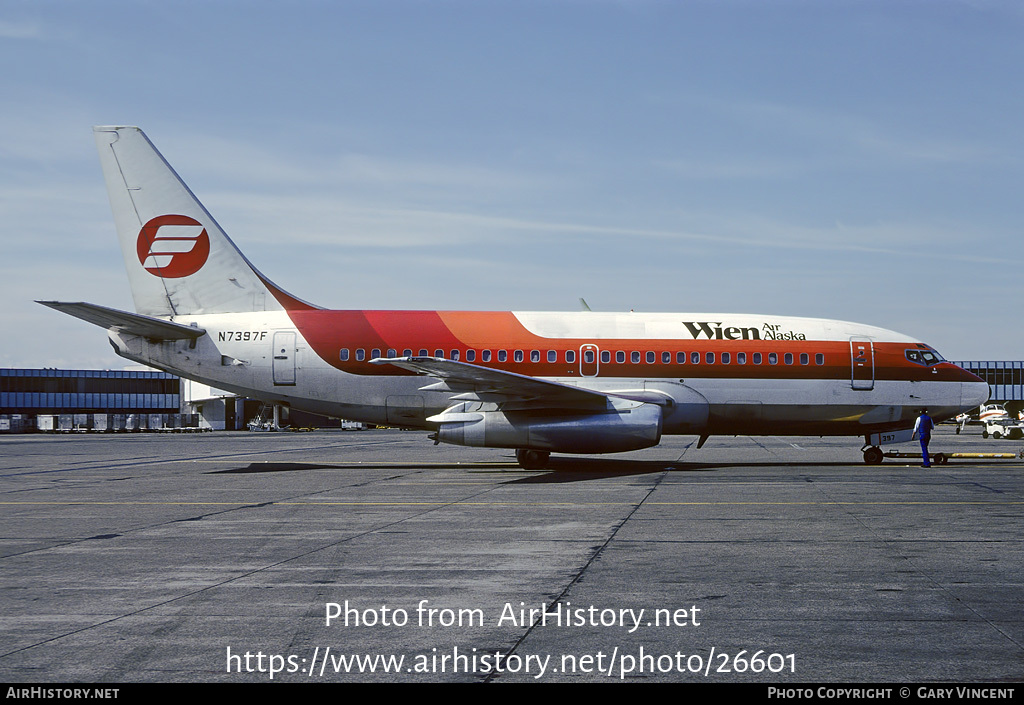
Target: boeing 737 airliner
x: 583, y: 382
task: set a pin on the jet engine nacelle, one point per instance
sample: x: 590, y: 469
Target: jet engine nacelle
x: 629, y: 426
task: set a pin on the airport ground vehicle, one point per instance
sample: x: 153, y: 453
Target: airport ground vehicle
x: 1004, y: 427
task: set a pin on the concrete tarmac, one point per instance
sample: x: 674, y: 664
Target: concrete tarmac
x: 219, y: 557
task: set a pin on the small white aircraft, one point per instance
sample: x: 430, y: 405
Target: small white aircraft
x: 998, y: 423
x: 583, y: 382
x: 991, y: 416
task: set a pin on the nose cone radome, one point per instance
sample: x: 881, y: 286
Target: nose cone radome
x: 974, y: 394
x: 974, y: 391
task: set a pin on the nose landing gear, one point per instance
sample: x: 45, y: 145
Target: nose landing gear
x: 873, y: 455
x: 532, y: 459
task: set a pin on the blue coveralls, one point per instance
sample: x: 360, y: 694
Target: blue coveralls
x: 923, y: 429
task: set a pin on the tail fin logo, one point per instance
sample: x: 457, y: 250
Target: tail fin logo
x: 173, y: 246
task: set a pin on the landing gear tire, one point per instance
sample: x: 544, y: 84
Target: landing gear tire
x: 873, y: 456
x: 532, y: 459
x: 984, y: 434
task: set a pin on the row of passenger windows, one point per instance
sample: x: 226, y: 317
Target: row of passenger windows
x: 635, y: 357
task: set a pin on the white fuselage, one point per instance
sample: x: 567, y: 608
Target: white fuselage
x: 266, y: 356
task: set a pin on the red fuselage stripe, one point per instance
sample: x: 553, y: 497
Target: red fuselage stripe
x: 330, y: 332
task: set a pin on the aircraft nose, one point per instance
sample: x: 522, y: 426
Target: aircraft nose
x: 974, y: 393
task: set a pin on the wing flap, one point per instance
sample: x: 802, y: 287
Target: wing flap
x: 485, y: 383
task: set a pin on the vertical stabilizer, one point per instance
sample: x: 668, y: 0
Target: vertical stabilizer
x: 179, y: 260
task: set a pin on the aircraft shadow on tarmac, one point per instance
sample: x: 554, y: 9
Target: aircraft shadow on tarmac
x: 582, y: 469
x: 567, y: 469
x: 252, y: 468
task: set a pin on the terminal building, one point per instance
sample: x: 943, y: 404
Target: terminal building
x: 52, y: 391
x: 127, y: 400
x: 27, y: 396
x: 82, y: 400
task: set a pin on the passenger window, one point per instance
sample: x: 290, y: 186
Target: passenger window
x: 804, y: 358
x: 407, y: 353
x: 360, y: 354
x: 725, y: 358
x: 588, y: 356
x: 741, y: 358
x: 650, y: 357
x: 695, y: 358
x: 756, y: 358
x: 680, y: 358
x: 570, y: 356
x: 788, y: 358
x: 666, y: 358
x: 634, y: 357
x: 535, y: 356
x: 485, y: 356
x: 517, y: 356
x: 439, y: 353
x: 773, y: 358
x: 620, y: 357
x: 392, y: 352
x: 424, y: 352
x: 709, y: 358
x: 343, y: 355
x: 470, y: 355
x: 502, y: 355
x: 552, y: 356
x: 606, y: 356
x: 819, y: 359
x: 375, y: 353
x: 455, y: 354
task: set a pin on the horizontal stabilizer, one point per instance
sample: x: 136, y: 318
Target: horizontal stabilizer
x: 122, y: 321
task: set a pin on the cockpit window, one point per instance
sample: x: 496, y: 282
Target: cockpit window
x: 926, y: 357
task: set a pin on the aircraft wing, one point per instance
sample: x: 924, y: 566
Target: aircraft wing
x: 131, y: 323
x: 475, y: 383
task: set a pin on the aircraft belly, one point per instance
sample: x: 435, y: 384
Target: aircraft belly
x: 775, y: 407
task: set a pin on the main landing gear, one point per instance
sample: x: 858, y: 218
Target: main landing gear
x: 532, y: 459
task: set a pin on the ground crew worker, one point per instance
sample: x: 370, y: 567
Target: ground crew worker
x: 923, y: 431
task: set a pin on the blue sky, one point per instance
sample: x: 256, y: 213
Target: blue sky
x: 856, y: 160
